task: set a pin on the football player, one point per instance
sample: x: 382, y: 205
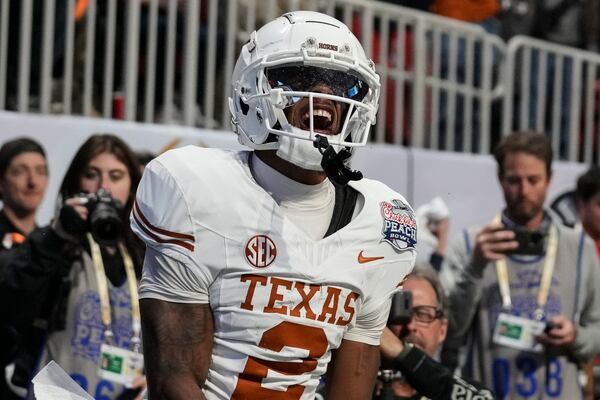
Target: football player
x: 265, y: 269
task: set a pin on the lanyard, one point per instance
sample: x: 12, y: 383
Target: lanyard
x: 546, y: 282
x: 104, y: 296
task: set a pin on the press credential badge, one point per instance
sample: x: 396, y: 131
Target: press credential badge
x: 518, y: 332
x: 120, y: 365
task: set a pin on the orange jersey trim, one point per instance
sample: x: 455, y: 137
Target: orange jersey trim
x: 152, y: 231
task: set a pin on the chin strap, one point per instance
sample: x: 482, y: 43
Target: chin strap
x: 333, y: 162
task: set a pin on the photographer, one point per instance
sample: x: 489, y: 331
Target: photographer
x: 75, y: 282
x: 414, y: 336
x: 527, y: 286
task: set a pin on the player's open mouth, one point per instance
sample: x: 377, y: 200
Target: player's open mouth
x: 323, y: 119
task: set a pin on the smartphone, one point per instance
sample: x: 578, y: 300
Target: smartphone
x: 530, y: 243
x: 549, y: 326
x: 401, y: 309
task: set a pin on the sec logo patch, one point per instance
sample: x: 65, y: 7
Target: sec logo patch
x: 260, y: 251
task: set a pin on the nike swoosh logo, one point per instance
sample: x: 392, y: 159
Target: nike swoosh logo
x: 364, y: 259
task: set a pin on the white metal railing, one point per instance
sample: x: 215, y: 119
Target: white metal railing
x: 169, y: 61
x: 448, y: 62
x: 554, y: 89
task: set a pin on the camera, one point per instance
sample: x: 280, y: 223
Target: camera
x: 388, y: 375
x: 530, y: 243
x: 549, y: 326
x: 401, y: 308
x: 104, y: 216
x: 400, y: 314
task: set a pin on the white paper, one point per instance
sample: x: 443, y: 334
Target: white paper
x: 53, y: 383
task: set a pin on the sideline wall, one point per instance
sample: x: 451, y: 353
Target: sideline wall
x: 466, y: 182
x: 61, y: 136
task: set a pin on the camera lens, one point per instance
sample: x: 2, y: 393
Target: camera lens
x: 105, y: 224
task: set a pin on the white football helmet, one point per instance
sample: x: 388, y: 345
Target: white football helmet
x: 290, y: 59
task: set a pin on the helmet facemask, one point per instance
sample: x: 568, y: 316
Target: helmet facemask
x: 317, y: 100
x: 306, y: 101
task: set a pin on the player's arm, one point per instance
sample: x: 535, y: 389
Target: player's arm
x: 177, y: 322
x: 352, y: 371
x: 178, y: 341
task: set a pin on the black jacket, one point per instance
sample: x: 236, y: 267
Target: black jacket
x: 32, y: 275
x: 434, y: 381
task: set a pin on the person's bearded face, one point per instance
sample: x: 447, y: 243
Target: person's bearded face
x: 524, y: 182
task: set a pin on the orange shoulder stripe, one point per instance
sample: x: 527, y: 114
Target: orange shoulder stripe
x: 158, y: 230
x: 158, y: 239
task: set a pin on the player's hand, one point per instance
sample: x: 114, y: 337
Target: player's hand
x: 562, y: 334
x: 492, y: 243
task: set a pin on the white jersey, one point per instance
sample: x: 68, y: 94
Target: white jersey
x: 281, y: 301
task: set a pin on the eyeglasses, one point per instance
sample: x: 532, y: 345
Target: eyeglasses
x: 304, y: 78
x: 426, y: 314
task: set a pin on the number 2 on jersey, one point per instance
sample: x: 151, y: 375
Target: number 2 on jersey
x: 286, y: 334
